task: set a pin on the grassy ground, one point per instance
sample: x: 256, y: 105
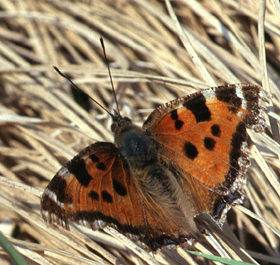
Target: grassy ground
x: 42, y: 126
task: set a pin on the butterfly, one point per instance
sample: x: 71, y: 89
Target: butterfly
x: 189, y: 157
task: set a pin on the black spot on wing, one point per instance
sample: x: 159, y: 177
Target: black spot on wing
x: 94, y: 158
x: 178, y: 123
x: 94, y: 195
x: 197, y: 105
x: 190, y: 151
x: 119, y: 188
x: 209, y: 143
x: 174, y: 115
x: 101, y: 166
x: 216, y: 130
x: 229, y: 96
x: 77, y: 167
x: 106, y: 197
x: 58, y: 187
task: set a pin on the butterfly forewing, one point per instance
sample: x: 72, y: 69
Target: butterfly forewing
x: 204, y: 136
x: 95, y: 188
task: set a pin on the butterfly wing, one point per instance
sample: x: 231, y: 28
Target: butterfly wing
x: 203, y: 140
x: 96, y: 189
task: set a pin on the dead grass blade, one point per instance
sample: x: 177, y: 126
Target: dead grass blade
x: 44, y: 122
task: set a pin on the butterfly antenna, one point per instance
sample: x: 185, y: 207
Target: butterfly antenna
x: 111, y: 79
x: 73, y: 84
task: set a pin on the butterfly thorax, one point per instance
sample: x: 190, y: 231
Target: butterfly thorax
x: 135, y: 145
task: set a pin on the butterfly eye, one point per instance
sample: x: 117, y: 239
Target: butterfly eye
x: 127, y: 120
x: 119, y: 122
x: 113, y: 127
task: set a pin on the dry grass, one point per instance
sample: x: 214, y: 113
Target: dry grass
x: 42, y: 126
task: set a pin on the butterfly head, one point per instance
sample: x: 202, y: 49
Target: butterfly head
x: 119, y: 121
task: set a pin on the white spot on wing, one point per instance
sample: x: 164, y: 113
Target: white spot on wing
x: 240, y: 114
x: 208, y: 93
x: 60, y: 204
x: 46, y: 215
x: 64, y: 173
x: 239, y: 93
x: 50, y: 194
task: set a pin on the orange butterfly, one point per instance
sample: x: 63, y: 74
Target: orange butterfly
x: 189, y: 157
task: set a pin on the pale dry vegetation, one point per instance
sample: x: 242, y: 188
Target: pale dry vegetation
x: 44, y: 122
